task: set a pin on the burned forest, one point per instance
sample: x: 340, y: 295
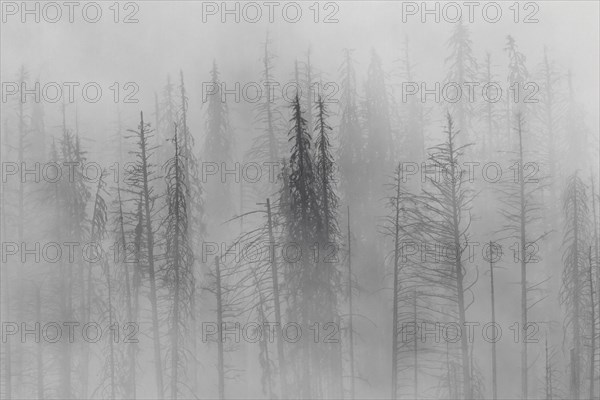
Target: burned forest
x: 300, y: 200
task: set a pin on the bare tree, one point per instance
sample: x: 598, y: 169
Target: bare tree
x: 141, y: 178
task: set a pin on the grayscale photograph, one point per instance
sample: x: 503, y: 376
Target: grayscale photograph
x: 298, y: 200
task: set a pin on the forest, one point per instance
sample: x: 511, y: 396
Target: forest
x: 368, y: 230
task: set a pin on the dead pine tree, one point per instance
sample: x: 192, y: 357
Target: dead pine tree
x: 445, y: 218
x: 328, y: 237
x: 396, y: 227
x: 267, y: 146
x: 195, y: 216
x: 129, y: 292
x: 178, y: 274
x: 142, y: 177
x: 98, y: 233
x: 573, y: 291
x: 74, y: 196
x: 400, y: 203
x: 521, y: 211
x: 302, y: 227
x: 462, y: 67
x: 353, y: 177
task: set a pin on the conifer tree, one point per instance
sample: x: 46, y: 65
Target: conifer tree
x: 142, y: 177
x: 304, y: 222
x: 574, y: 294
x: 446, y: 202
x: 378, y: 153
x: 178, y: 273
x: 462, y: 68
x: 351, y: 140
x: 521, y: 210
x: 218, y: 149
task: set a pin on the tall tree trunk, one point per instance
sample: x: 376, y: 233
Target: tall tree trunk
x: 40, y: 346
x: 575, y: 361
x: 66, y: 286
x: 596, y: 250
x: 177, y: 264
x: 110, y: 323
x: 130, y: 317
x: 459, y: 278
x: 396, y: 289
x: 277, y: 305
x: 548, y: 379
x: 522, y: 256
x: 593, y: 327
x: 19, y: 348
x: 350, y: 311
x: 573, y: 377
x: 7, y: 311
x: 415, y: 348
x: 150, y: 246
x: 221, y: 363
x: 493, y: 302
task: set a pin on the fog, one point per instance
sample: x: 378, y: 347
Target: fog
x: 309, y: 209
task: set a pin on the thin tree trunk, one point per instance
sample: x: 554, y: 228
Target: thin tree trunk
x: 523, y: 249
x: 277, y: 306
x: 596, y: 250
x: 40, y: 348
x: 19, y: 347
x: 150, y: 245
x: 66, y: 284
x: 548, y: 374
x: 494, y: 365
x: 575, y: 361
x: 221, y: 365
x: 490, y: 137
x: 396, y: 289
x: 415, y: 348
x: 110, y: 341
x: 593, y: 344
x: 351, y: 310
x: 6, y: 301
x: 459, y: 278
x: 176, y: 294
x: 574, y: 380
x: 130, y: 347
x: 449, y: 373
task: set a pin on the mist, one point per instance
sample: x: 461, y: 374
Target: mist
x: 359, y: 200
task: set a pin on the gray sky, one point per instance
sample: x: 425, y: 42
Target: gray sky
x: 171, y: 35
